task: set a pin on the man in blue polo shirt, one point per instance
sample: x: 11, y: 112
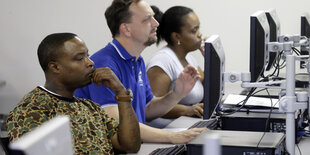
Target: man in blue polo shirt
x: 134, y: 28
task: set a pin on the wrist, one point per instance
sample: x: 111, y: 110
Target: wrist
x: 189, y: 111
x: 121, y: 91
x: 176, y: 96
x: 124, y: 96
x: 170, y: 137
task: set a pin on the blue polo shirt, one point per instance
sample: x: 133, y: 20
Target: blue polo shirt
x: 131, y: 73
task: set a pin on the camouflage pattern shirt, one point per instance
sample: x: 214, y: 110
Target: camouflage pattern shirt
x: 91, y: 128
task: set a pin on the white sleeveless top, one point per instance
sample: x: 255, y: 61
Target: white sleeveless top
x: 166, y: 59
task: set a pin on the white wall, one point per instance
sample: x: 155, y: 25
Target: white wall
x: 23, y: 24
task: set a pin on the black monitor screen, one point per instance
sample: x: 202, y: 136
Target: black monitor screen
x: 213, y: 75
x: 274, y: 27
x: 259, y: 37
x: 305, y: 26
x: 304, y: 31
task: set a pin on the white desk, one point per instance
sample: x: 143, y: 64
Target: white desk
x: 304, y: 146
x: 181, y: 122
x: 185, y: 122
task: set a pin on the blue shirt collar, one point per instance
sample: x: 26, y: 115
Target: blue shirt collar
x: 122, y: 51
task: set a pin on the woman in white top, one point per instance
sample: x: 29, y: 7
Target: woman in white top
x: 179, y: 27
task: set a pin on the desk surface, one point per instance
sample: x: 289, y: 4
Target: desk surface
x: 177, y: 124
x: 185, y: 122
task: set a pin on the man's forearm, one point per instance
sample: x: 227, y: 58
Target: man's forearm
x: 154, y: 135
x: 129, y: 131
x: 160, y: 106
x: 147, y: 133
x: 177, y: 111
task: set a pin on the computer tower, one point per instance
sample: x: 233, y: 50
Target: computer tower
x: 241, y: 143
x: 256, y: 121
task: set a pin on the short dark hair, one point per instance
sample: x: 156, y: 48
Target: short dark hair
x: 118, y: 13
x: 171, y: 21
x: 49, y: 47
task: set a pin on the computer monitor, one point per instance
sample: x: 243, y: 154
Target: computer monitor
x: 274, y: 29
x: 304, y: 31
x: 213, y: 75
x: 305, y: 25
x: 259, y: 37
x: 51, y: 138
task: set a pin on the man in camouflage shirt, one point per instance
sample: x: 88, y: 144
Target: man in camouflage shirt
x: 64, y: 59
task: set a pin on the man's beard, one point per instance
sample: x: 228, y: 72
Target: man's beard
x: 150, y: 41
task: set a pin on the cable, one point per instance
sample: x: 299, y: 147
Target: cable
x: 267, y: 121
x: 296, y: 50
x: 221, y: 113
x: 298, y: 149
x: 276, y: 65
x: 280, y: 66
x: 251, y: 93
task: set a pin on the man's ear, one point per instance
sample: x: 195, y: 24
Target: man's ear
x: 54, y: 67
x: 125, y: 29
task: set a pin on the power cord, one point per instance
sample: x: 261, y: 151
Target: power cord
x: 267, y: 121
x: 298, y: 149
x: 222, y: 113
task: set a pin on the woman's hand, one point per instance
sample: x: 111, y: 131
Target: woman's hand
x: 202, y: 46
x: 196, y: 110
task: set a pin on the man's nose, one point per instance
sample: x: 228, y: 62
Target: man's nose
x: 90, y: 62
x: 155, y: 22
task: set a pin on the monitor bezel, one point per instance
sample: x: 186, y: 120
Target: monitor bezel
x: 275, y: 32
x: 259, y: 55
x: 213, y: 84
x: 52, y: 137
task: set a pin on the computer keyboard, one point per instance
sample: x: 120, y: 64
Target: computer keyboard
x: 210, y: 123
x: 173, y: 150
